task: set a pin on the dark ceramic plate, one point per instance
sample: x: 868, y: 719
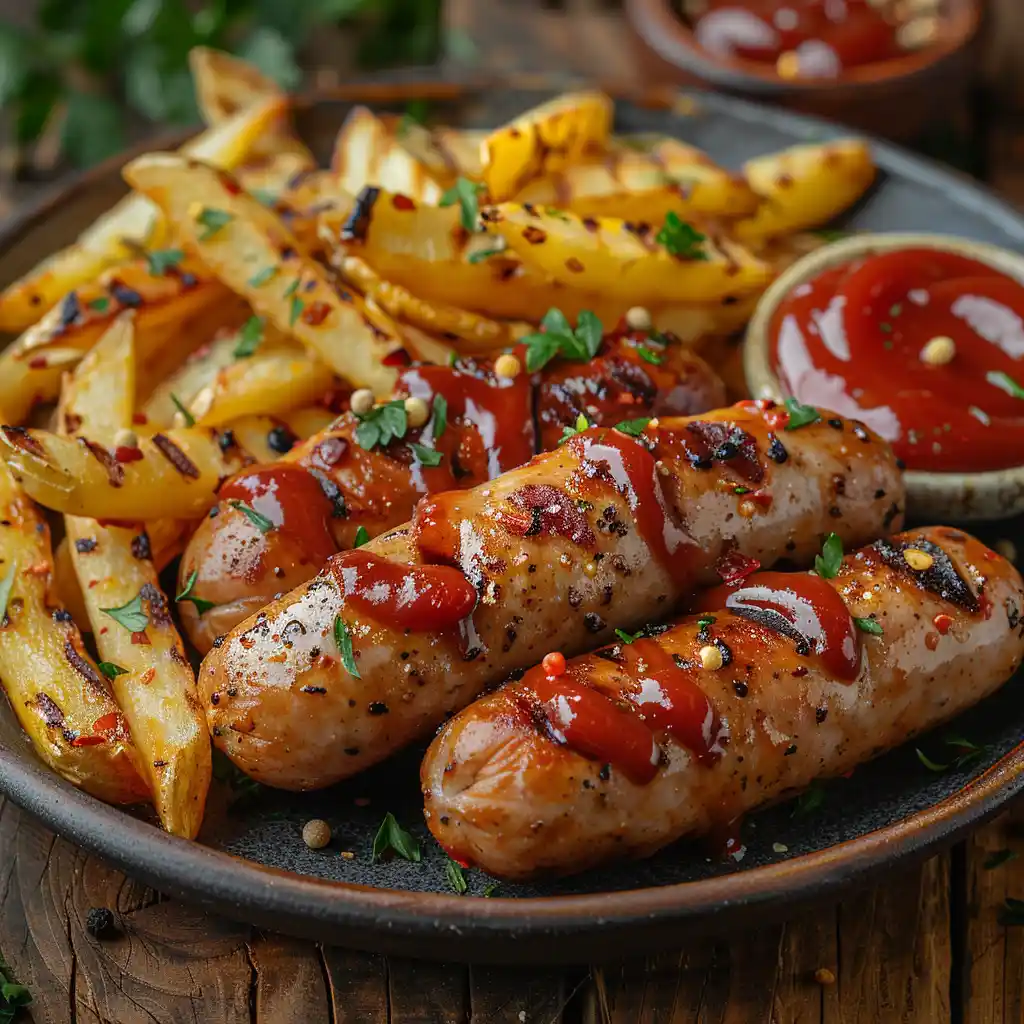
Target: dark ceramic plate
x: 251, y: 862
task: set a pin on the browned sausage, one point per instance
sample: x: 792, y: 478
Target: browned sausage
x: 609, y: 530
x: 639, y: 744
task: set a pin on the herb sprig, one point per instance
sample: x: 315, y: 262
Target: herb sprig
x: 391, y: 838
x: 681, y: 239
x: 467, y: 194
x: 559, y: 337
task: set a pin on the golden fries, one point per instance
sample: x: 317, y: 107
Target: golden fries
x: 59, y: 695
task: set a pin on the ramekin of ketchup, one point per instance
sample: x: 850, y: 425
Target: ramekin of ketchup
x: 921, y: 337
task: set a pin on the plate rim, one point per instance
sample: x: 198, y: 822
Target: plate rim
x: 499, y: 929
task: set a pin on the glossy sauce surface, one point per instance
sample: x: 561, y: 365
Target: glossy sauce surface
x: 862, y: 339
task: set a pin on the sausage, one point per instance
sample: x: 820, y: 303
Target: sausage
x: 639, y: 744
x: 335, y: 490
x: 608, y: 530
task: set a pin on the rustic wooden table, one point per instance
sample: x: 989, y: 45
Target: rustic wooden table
x: 923, y: 947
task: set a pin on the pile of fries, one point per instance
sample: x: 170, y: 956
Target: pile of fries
x: 240, y: 290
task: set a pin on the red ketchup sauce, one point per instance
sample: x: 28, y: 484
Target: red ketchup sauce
x: 292, y: 499
x: 417, y: 597
x: 925, y: 347
x: 803, y: 38
x: 801, y: 606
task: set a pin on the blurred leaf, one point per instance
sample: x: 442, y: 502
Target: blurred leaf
x: 141, y: 17
x: 92, y: 130
x: 273, y: 55
x: 335, y: 10
x: 158, y: 94
x: 39, y: 93
x: 14, y: 54
x: 102, y: 43
x: 459, y: 45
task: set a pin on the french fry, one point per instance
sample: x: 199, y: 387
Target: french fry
x: 175, y: 476
x: 544, y: 140
x: 56, y: 691
x: 804, y: 187
x: 447, y: 153
x: 255, y: 254
x: 617, y: 260
x: 133, y: 222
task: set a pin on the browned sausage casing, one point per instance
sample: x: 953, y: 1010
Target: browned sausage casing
x: 560, y: 552
x: 505, y: 789
x: 489, y: 429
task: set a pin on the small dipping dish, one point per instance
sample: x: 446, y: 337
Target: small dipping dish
x: 921, y: 337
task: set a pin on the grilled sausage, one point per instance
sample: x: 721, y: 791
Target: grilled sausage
x: 609, y: 530
x: 323, y: 493
x: 639, y: 744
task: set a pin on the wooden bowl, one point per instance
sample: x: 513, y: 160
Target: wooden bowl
x: 898, y: 98
x: 935, y: 497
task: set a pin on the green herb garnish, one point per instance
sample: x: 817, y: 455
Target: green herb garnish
x: 261, y: 277
x: 249, y: 337
x: 491, y: 888
x: 633, y: 427
x: 456, y: 877
x: 343, y: 639
x: 161, y: 260
x: 483, y: 254
x: 190, y: 420
x: 295, y: 310
x: 704, y: 621
x: 969, y: 752
x: 440, y: 407
x: 416, y: 113
x: 868, y: 625
x: 681, y: 239
x: 582, y: 423
x: 186, y: 594
x: 110, y: 670
x: 559, y: 338
x: 292, y: 288
x: 362, y: 537
x: 6, y: 585
x: 827, y: 564
x: 800, y: 415
x: 101, y: 305
x: 1004, y: 382
x: 212, y: 221
x: 258, y: 519
x: 429, y: 457
x: 382, y: 425
x: 129, y: 615
x: 466, y: 194
x: 627, y: 638
x: 648, y: 355
x: 810, y: 800
x: 392, y: 838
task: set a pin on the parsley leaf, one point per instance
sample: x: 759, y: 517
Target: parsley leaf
x: 212, y: 221
x: 800, y: 415
x: 869, y: 625
x: 110, y: 670
x: 201, y: 606
x: 1004, y: 382
x: 456, y: 877
x: 258, y: 519
x: 491, y: 888
x: 262, y: 276
x: 382, y: 425
x: 810, y: 800
x: 343, y: 638
x: 559, y: 338
x: 264, y: 196
x: 101, y: 305
x: 582, y: 423
x: 426, y: 456
x: 190, y: 420
x: 704, y: 621
x: 483, y: 254
x: 362, y: 537
x: 681, y: 239
x: 161, y: 260
x: 627, y: 638
x: 392, y: 838
x: 129, y: 615
x: 292, y: 288
x: 633, y: 427
x: 6, y: 585
x: 830, y: 234
x: 969, y: 752
x: 828, y: 562
x: 416, y: 112
x: 440, y: 406
x: 648, y: 355
x: 295, y: 310
x: 249, y: 337
x: 465, y: 193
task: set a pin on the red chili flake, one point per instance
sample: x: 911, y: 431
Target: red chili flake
x: 141, y: 638
x: 107, y: 723
x: 230, y: 185
x: 316, y: 313
x: 553, y: 664
x: 942, y: 623
x: 123, y: 453
x: 401, y: 202
x: 38, y: 363
x: 761, y: 497
x: 776, y: 419
x: 736, y: 566
x: 87, y: 741
x: 397, y: 358
x: 138, y: 418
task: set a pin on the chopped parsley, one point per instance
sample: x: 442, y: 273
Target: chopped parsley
x: 1004, y: 382
x: 190, y: 420
x: 212, y: 221
x: 681, y: 239
x: 896, y: 309
x: 261, y: 277
x: 968, y: 753
x: 101, y: 305
x: 827, y: 564
x: 249, y: 337
x: 627, y: 638
x: 264, y: 196
x: 560, y: 338
x: 110, y: 670
x: 416, y: 113
x: 633, y: 427
x: 440, y: 407
x: 483, y: 254
x: 343, y: 639
x: 258, y: 519
x: 456, y: 877
x: 6, y: 585
x: 869, y: 625
x: 129, y: 615
x: 382, y: 425
x: 391, y: 838
x: 201, y: 606
x: 295, y: 310
x: 162, y: 260
x: 426, y: 456
x: 466, y: 194
x: 704, y: 621
x: 491, y: 888
x: 830, y: 234
x: 581, y: 424
x: 362, y: 537
x: 648, y: 355
x: 292, y: 288
x: 800, y: 415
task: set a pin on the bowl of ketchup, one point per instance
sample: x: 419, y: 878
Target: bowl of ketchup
x: 892, y: 67
x: 921, y: 337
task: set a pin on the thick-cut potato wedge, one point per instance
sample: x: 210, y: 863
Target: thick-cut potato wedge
x: 256, y: 255
x: 618, y: 260
x: 252, y: 433
x: 368, y: 152
x: 478, y: 333
x: 134, y: 220
x: 31, y: 367
x: 804, y: 187
x: 57, y: 693
x: 545, y: 140
x: 177, y: 475
x: 447, y: 153
x: 642, y: 181
x: 156, y: 691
